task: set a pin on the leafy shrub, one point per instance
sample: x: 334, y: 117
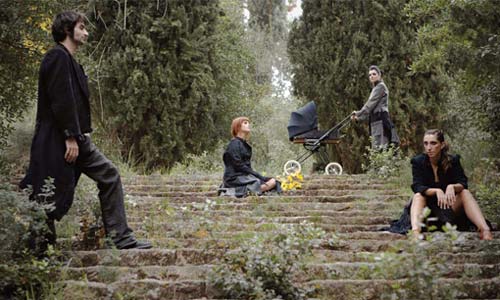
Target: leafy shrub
x: 419, y: 265
x: 263, y: 267
x: 488, y: 197
x: 205, y: 163
x: 385, y: 163
x: 22, y: 228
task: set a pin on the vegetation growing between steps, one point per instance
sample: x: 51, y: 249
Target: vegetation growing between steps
x: 27, y: 271
x: 420, y: 267
x: 263, y: 267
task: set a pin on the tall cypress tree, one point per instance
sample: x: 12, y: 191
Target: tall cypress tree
x: 331, y: 47
x: 160, y: 74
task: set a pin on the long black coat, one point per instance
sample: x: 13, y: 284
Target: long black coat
x: 63, y: 111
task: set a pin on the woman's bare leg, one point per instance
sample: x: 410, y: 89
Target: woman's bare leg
x: 466, y: 201
x: 417, y: 206
x: 269, y: 185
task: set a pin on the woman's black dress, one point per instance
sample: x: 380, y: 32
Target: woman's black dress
x: 239, y: 177
x: 423, y: 179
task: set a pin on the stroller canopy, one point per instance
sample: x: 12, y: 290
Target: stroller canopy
x: 303, y: 120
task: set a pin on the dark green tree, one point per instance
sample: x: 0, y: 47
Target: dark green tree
x: 167, y: 75
x: 22, y: 42
x: 461, y: 40
x: 331, y: 47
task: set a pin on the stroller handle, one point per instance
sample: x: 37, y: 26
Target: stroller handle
x: 339, y: 126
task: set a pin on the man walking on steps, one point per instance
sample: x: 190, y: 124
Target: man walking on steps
x: 61, y: 146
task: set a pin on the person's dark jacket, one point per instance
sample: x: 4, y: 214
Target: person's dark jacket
x: 237, y: 160
x: 63, y: 111
x: 423, y: 176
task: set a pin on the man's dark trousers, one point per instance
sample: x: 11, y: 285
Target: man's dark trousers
x: 95, y: 165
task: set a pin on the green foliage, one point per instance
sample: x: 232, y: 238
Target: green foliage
x: 263, y: 267
x: 21, y: 43
x: 385, y: 163
x: 170, y: 73
x: 22, y: 228
x: 460, y: 40
x: 419, y: 266
x: 205, y: 163
x: 331, y: 47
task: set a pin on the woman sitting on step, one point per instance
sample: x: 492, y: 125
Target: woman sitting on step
x: 439, y: 183
x: 239, y: 177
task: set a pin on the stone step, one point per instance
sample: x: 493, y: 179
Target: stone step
x: 197, y: 187
x: 135, y: 201
x: 301, y: 192
x: 331, y: 289
x: 230, y: 221
x: 370, y: 270
x: 476, y: 257
x: 138, y: 258
x: 217, y: 178
x: 137, y: 289
x: 345, y: 251
x: 268, y: 204
x: 372, y: 289
x: 138, y: 216
x: 311, y: 271
x: 109, y: 274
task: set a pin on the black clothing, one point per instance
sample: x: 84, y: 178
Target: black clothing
x: 63, y: 111
x: 237, y: 161
x: 423, y: 179
x: 63, y: 94
x: 238, y: 172
x: 423, y: 175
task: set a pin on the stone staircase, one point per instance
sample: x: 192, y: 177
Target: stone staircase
x: 191, y: 228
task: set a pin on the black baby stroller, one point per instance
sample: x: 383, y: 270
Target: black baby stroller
x: 303, y: 129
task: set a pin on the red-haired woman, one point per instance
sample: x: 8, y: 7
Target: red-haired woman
x: 439, y: 183
x: 239, y: 177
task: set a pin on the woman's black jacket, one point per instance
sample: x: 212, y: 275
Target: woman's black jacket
x: 423, y: 176
x: 237, y: 160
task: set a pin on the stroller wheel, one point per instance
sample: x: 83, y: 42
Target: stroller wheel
x: 291, y: 167
x: 333, y: 169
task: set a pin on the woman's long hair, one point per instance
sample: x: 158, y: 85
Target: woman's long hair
x: 444, y: 160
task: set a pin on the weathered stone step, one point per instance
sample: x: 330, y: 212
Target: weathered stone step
x: 217, y: 178
x: 234, y: 220
x: 203, y: 187
x: 135, y: 201
x: 476, y: 257
x: 370, y: 270
x: 109, y: 274
x: 139, y: 216
x: 237, y: 229
x: 138, y: 289
x: 333, y: 289
x: 346, y: 224
x: 311, y: 271
x: 372, y: 289
x: 301, y: 192
x: 268, y: 204
x: 150, y: 257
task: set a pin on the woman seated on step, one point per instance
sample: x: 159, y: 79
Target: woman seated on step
x: 439, y: 183
x: 239, y: 177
